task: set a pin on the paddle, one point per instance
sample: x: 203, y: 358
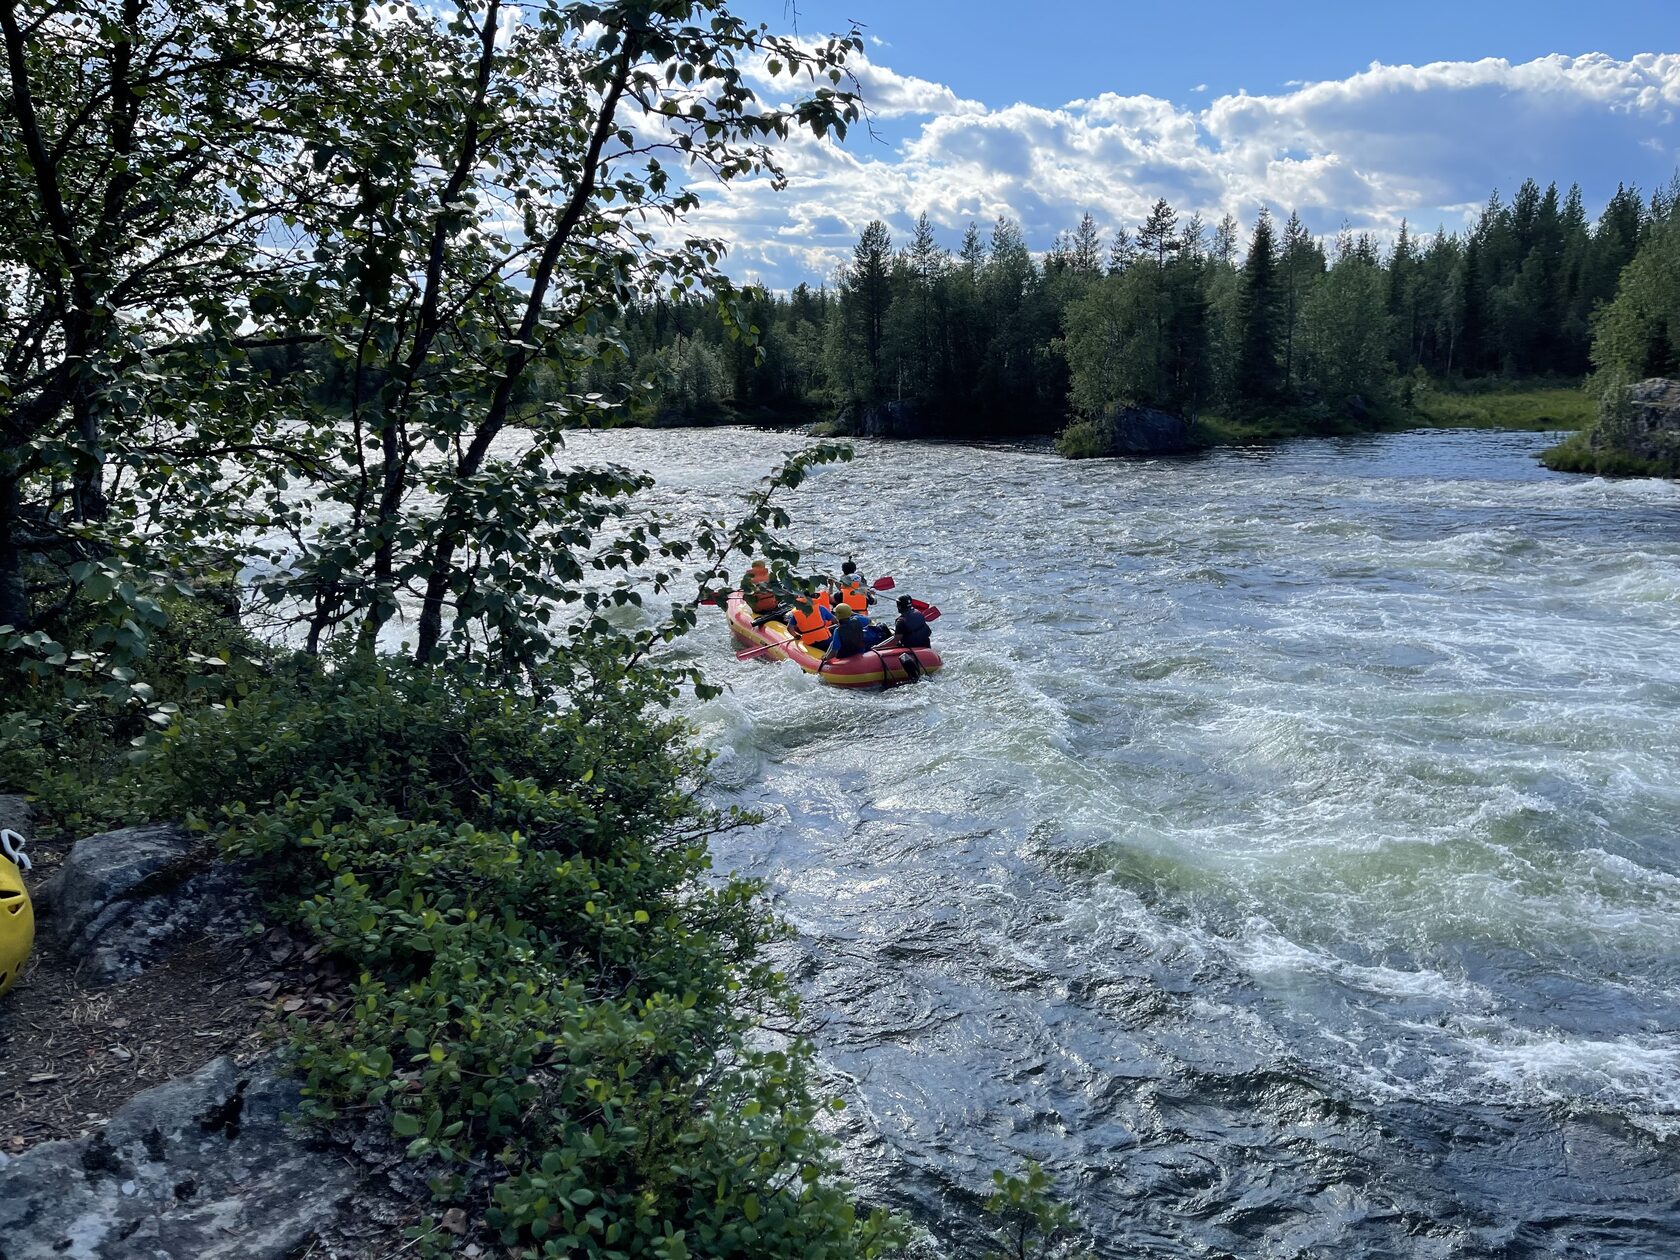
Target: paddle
x: 748, y: 653
x: 928, y: 611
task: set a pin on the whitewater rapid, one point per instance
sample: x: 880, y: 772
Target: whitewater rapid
x: 1289, y: 857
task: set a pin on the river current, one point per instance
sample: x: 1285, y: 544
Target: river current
x: 1288, y: 857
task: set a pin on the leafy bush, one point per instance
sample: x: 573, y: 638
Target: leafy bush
x: 68, y: 726
x: 1577, y: 453
x: 1084, y: 439
x: 1031, y: 1222
x: 554, y: 998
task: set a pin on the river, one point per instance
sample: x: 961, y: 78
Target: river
x: 1288, y: 857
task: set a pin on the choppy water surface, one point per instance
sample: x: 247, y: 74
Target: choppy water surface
x: 1287, y: 858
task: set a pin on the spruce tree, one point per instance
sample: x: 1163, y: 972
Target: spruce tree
x: 973, y: 251
x: 1257, y: 316
x: 1301, y: 263
x: 1471, y: 299
x: 1224, y: 251
x: 865, y: 296
x: 1122, y: 253
x: 1402, y: 298
x: 1085, y: 249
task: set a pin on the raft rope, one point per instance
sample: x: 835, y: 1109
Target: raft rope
x: 11, y: 844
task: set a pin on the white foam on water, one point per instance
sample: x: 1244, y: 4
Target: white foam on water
x: 1634, y: 1076
x: 1268, y: 955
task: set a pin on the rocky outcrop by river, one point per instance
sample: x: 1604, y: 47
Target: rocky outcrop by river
x: 207, y: 1166
x: 1649, y: 426
x: 202, y: 1168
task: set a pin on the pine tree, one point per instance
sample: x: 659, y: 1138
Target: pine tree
x: 1257, y: 316
x: 1224, y: 250
x: 865, y: 297
x: 1157, y: 239
x: 1301, y: 263
x: 1085, y: 249
x: 1122, y: 254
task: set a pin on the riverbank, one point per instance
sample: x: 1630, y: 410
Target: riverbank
x: 1524, y: 407
x: 1576, y: 454
x: 1540, y: 406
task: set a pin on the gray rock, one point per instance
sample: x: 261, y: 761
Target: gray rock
x: 125, y: 899
x: 1650, y: 426
x: 901, y: 419
x: 201, y: 1168
x: 1144, y: 431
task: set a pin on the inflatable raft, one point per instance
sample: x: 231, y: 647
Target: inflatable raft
x: 885, y: 666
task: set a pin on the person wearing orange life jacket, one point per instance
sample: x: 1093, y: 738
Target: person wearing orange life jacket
x: 756, y: 587
x: 853, y: 591
x: 811, y: 621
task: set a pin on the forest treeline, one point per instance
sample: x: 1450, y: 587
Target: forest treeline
x: 1172, y: 313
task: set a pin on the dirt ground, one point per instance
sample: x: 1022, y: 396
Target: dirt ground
x: 71, y: 1052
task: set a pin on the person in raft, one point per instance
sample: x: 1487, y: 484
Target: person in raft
x: 853, y: 590
x: 755, y: 586
x: 811, y: 620
x: 851, y: 634
x: 911, y: 630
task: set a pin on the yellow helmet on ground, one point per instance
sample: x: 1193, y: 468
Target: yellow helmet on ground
x: 17, y: 914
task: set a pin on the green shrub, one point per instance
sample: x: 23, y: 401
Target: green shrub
x: 1031, y: 1223
x: 1084, y: 439
x: 67, y: 731
x: 555, y: 997
x: 1577, y: 454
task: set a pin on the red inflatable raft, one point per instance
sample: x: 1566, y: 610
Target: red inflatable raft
x: 885, y: 666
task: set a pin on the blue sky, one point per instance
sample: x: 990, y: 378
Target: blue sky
x: 1366, y: 115
x: 1051, y: 51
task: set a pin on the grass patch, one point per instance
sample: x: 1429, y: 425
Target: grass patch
x: 1537, y: 408
x: 1576, y: 454
x: 1240, y: 428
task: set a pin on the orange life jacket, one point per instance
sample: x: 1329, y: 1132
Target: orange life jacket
x: 852, y: 593
x: 756, y: 587
x: 810, y: 627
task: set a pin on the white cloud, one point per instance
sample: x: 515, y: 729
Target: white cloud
x: 1423, y: 142
x: 887, y: 93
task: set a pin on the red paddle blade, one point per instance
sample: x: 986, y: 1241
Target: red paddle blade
x: 883, y: 584
x: 928, y: 611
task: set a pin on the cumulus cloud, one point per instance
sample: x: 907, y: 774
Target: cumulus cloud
x: 1422, y: 142
x: 887, y: 93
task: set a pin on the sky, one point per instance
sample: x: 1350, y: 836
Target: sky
x: 1356, y: 114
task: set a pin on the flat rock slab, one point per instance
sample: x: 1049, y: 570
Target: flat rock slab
x: 201, y: 1168
x: 125, y: 899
